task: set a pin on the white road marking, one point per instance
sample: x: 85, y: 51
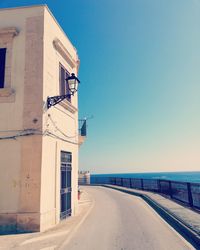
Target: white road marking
x: 44, y: 237
x: 49, y: 248
x: 63, y: 246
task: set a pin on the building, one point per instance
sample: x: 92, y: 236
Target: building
x: 38, y: 145
x: 84, y: 177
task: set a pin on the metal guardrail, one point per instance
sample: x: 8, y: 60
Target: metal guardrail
x: 186, y: 192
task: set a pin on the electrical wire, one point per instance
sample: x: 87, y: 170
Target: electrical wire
x: 31, y: 132
x: 18, y: 130
x: 36, y: 132
x: 23, y: 133
x: 54, y: 124
x: 60, y: 138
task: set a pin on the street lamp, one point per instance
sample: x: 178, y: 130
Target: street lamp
x: 72, y: 82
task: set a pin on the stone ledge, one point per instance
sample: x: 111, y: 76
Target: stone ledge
x: 7, y: 95
x: 81, y: 139
x: 9, y: 31
x: 67, y: 105
x: 6, y: 92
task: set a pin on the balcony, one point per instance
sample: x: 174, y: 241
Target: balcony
x: 82, y: 131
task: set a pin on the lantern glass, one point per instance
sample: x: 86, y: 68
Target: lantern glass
x: 73, y: 83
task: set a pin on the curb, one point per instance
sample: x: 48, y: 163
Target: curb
x: 74, y: 230
x: 189, y: 234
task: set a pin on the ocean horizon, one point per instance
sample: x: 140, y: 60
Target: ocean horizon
x: 185, y: 176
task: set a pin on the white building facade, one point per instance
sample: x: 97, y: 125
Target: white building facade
x: 38, y: 146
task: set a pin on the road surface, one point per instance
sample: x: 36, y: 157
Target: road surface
x: 124, y: 222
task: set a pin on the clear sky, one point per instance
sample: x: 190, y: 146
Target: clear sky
x: 140, y: 74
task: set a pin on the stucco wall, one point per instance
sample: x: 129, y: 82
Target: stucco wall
x: 31, y: 146
x: 60, y: 122
x: 12, y: 109
x: 21, y: 157
x: 30, y: 165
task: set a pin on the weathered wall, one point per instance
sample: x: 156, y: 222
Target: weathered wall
x: 58, y: 120
x: 30, y: 165
x: 19, y: 190
x: 31, y: 147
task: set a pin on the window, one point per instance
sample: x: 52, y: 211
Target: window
x: 65, y: 184
x: 2, y: 66
x: 64, y: 88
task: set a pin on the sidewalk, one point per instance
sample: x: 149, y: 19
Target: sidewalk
x: 54, y: 238
x: 182, y: 218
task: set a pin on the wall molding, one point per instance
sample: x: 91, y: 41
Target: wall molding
x: 65, y: 53
x: 12, y: 31
x: 67, y: 105
x: 7, y: 94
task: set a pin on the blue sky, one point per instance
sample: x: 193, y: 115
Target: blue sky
x: 140, y: 74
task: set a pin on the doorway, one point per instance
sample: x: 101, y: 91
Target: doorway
x: 65, y: 180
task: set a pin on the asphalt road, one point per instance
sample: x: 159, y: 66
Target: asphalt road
x: 124, y: 222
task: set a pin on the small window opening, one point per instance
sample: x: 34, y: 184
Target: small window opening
x: 2, y: 66
x: 64, y: 88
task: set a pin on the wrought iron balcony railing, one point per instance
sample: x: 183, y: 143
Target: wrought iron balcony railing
x: 82, y: 127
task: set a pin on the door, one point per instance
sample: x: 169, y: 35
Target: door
x: 65, y: 180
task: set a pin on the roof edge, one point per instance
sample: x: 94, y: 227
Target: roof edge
x: 45, y: 6
x: 24, y: 7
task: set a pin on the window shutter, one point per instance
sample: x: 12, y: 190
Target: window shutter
x: 2, y: 66
x: 62, y: 81
x: 67, y: 88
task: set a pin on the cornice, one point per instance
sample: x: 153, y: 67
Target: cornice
x: 65, y: 53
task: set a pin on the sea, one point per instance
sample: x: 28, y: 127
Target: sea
x: 192, y: 176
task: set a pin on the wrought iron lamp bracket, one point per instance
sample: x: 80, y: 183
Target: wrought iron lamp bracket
x: 52, y: 101
x: 72, y: 83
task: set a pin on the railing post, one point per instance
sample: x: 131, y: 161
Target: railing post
x: 130, y: 183
x: 159, y: 186
x: 170, y: 190
x: 142, y: 184
x: 115, y: 179
x: 122, y: 182
x: 190, y: 199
